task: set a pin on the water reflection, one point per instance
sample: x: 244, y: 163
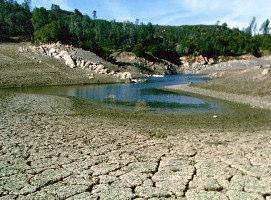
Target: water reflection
x: 132, y: 94
x: 146, y: 94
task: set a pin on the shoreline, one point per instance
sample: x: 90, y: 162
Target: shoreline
x: 253, y: 101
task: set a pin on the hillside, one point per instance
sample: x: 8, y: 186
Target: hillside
x: 106, y: 37
x: 26, y: 68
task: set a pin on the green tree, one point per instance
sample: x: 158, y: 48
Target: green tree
x: 265, y: 27
x: 40, y: 17
x: 51, y: 32
x: 139, y: 50
x: 252, y: 26
x: 27, y: 5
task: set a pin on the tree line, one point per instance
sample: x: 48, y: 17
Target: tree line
x: 103, y: 37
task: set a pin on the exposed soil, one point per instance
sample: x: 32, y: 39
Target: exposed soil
x: 55, y: 148
x: 48, y: 151
x: 254, y: 101
x: 21, y: 69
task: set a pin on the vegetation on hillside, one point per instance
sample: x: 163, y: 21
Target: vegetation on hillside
x: 103, y: 37
x: 15, y: 20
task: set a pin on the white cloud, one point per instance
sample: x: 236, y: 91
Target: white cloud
x: 237, y: 13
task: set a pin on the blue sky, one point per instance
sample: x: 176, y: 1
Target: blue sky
x: 237, y: 13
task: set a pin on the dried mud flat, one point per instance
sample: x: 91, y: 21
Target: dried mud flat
x: 49, y: 152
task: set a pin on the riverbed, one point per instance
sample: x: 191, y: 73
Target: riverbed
x: 70, y: 148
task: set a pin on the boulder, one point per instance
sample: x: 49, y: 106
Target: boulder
x: 21, y: 49
x: 57, y: 56
x: 90, y: 76
x: 58, y: 44
x: 87, y: 64
x: 266, y: 71
x: 42, y: 51
x: 104, y: 71
x: 99, y: 68
x: 112, y: 73
x: 62, y: 53
x: 78, y: 62
x: 82, y: 64
x: 211, y: 61
x: 51, y: 51
x: 93, y: 66
x: 125, y: 75
x: 68, y: 60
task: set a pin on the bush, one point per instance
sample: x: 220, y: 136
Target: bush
x: 139, y: 50
x: 49, y: 33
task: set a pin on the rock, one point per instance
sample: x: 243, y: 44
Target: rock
x: 51, y: 51
x: 266, y: 72
x: 211, y: 61
x: 21, y: 49
x: 78, y: 62
x: 112, y: 73
x: 82, y: 64
x: 87, y: 64
x: 58, y: 44
x: 57, y: 56
x: 62, y: 53
x: 99, y: 68
x: 73, y: 59
x: 125, y: 75
x: 103, y: 71
x: 68, y: 60
x: 90, y: 67
x: 90, y: 76
x: 42, y: 51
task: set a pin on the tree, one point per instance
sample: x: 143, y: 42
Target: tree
x: 94, y: 14
x: 265, y: 27
x: 139, y: 50
x: 101, y: 36
x: 27, y: 5
x: 55, y: 7
x: 224, y: 25
x: 252, y: 26
x: 51, y: 32
x: 14, y: 20
x: 75, y: 25
x: 40, y: 17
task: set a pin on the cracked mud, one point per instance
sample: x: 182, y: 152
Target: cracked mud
x: 47, y: 152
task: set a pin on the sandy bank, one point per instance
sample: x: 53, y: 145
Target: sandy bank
x: 261, y: 102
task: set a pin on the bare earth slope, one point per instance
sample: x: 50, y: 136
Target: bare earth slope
x: 29, y: 69
x: 247, y: 82
x: 254, y: 101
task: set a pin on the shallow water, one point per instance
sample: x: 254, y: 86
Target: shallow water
x: 140, y: 96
